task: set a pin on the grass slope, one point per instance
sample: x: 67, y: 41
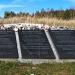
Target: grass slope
x: 10, y: 68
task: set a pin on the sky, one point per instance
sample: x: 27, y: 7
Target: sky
x: 32, y: 6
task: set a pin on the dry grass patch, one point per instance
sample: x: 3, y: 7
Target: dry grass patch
x: 49, y: 21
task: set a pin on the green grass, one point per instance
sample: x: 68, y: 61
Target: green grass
x: 14, y: 68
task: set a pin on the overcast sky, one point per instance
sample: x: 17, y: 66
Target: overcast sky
x: 34, y: 5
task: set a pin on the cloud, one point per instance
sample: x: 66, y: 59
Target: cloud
x: 16, y: 1
x: 26, y: 1
x: 19, y: 3
x: 73, y: 1
x: 9, y: 6
x: 37, y: 0
x: 3, y: 6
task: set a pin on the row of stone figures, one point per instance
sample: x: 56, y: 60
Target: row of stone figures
x: 28, y: 26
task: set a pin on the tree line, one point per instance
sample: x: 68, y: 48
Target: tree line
x: 50, y: 13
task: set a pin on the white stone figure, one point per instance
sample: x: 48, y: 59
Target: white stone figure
x: 15, y: 29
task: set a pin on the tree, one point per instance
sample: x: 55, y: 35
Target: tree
x: 9, y: 14
x: 66, y: 15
